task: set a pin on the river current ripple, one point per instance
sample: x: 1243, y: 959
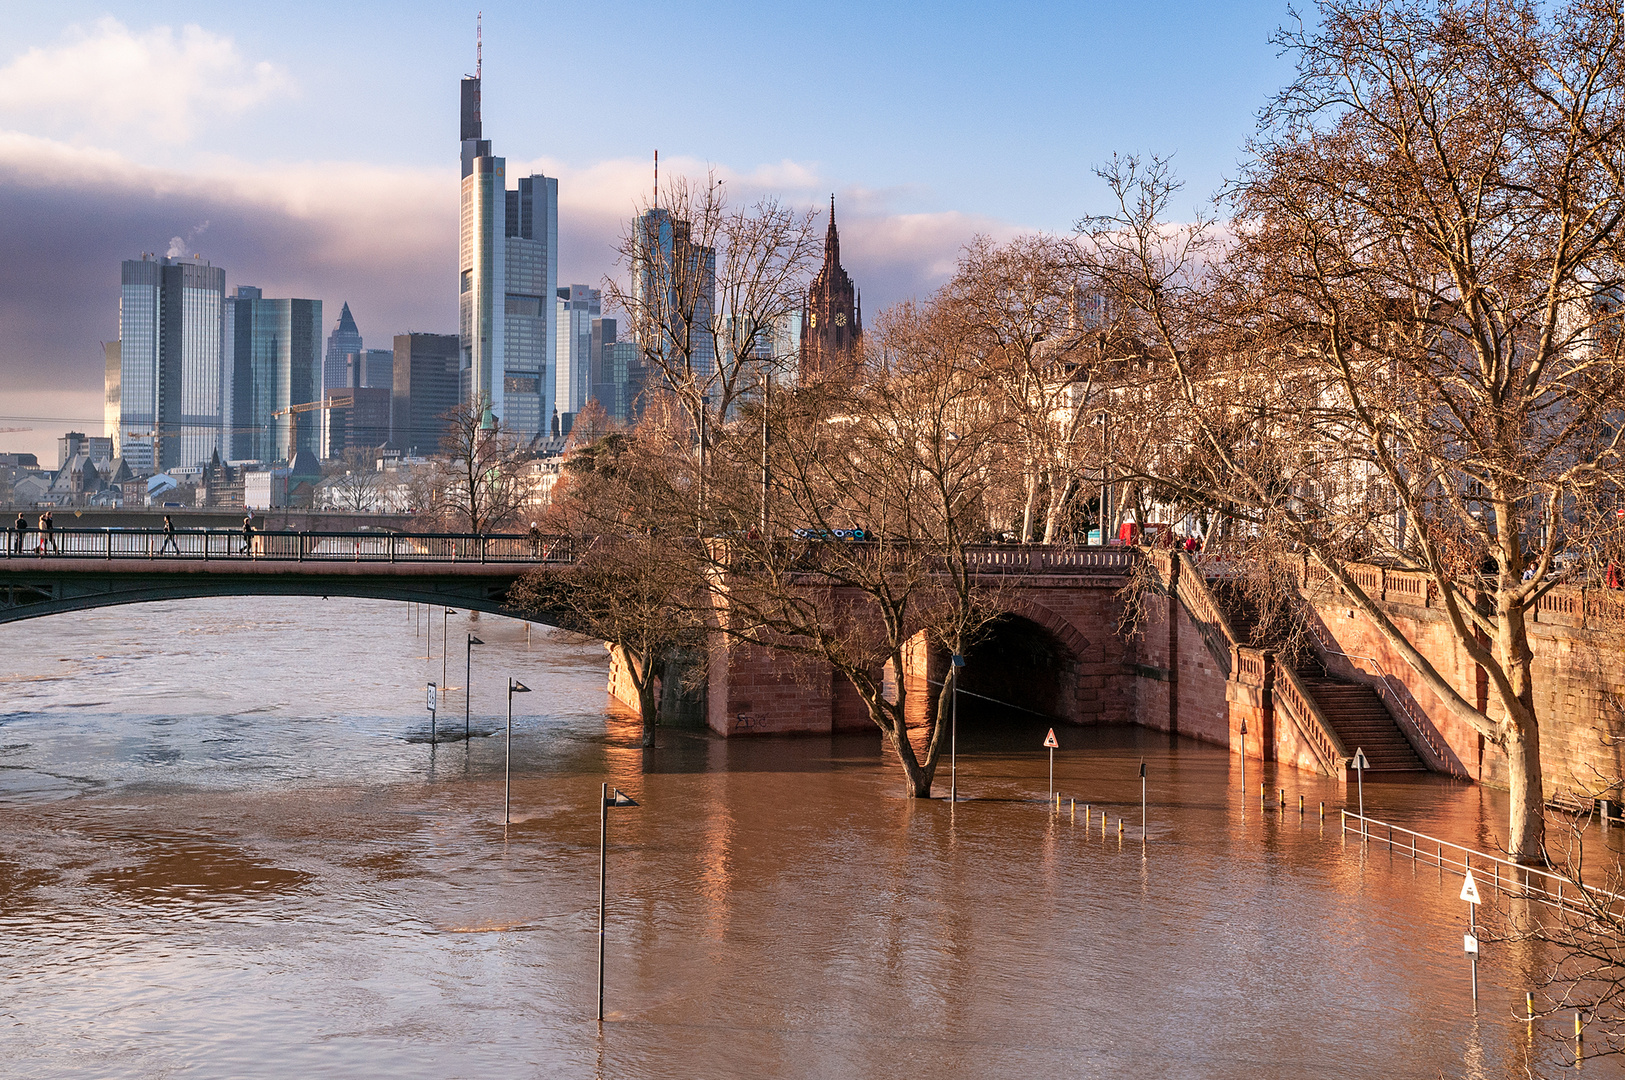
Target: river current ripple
x: 228, y: 847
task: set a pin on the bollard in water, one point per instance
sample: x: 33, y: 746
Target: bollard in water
x: 1074, y: 809
x: 1529, y: 1006
x: 1260, y: 794
x: 1323, y: 811
x: 1283, y: 798
x: 1579, y: 1028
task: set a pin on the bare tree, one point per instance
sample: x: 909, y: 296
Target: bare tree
x: 476, y: 483
x: 710, y: 293
x: 637, y: 585
x: 876, y: 494
x: 1420, y: 356
x: 352, y: 481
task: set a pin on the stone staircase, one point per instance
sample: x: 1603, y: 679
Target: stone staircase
x: 1361, y: 719
x: 1354, y: 710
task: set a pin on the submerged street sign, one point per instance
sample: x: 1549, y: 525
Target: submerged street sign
x: 431, y: 697
x: 1359, y: 759
x: 1469, y: 889
x: 1049, y: 740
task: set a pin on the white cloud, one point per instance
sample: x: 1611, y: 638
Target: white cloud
x: 109, y: 78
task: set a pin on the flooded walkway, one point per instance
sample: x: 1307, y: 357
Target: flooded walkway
x: 227, y: 848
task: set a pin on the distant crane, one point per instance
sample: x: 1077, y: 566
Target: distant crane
x: 3, y: 430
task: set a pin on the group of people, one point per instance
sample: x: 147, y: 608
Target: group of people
x: 46, y: 535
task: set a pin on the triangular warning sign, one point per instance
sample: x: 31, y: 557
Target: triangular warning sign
x: 1469, y: 889
x: 1049, y: 740
x: 1359, y: 759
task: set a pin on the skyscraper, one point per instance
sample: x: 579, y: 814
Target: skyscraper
x: 274, y: 356
x: 674, y: 285
x: 576, y: 308
x: 344, y: 339
x: 171, y: 380
x: 832, y: 321
x: 507, y: 280
x: 424, y: 389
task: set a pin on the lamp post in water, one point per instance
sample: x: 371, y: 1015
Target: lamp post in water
x: 514, y: 687
x: 953, y: 730
x: 468, y: 676
x: 604, y: 804
x: 1244, y: 762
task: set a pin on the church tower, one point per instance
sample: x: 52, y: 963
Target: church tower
x: 832, y: 320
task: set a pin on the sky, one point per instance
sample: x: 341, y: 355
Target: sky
x: 314, y: 153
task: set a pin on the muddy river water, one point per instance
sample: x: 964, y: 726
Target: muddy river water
x: 228, y: 847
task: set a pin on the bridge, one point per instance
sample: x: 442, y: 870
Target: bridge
x: 78, y: 569
x: 1059, y: 653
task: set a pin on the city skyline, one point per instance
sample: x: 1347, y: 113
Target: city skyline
x: 237, y: 152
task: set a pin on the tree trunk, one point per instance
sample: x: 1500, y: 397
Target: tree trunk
x: 1526, y: 839
x: 1027, y: 511
x: 643, y: 677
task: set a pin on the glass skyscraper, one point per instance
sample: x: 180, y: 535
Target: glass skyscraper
x: 275, y: 358
x: 576, y: 308
x: 508, y: 261
x: 171, y: 381
x: 344, y: 340
x: 674, y: 284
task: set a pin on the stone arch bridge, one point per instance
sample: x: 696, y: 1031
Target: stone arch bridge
x: 1059, y: 652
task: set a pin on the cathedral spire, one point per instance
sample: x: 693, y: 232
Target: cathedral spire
x: 832, y: 238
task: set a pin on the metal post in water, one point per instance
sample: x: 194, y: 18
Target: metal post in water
x: 953, y: 673
x: 468, y: 682
x: 1142, y: 802
x: 603, y: 847
x: 514, y: 687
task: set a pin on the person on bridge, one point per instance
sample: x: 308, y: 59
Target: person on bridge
x: 47, y: 533
x: 535, y: 541
x: 248, y: 535
x: 169, y: 537
x: 22, y: 535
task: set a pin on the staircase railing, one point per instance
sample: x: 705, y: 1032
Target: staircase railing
x: 1205, y: 611
x: 1420, y: 732
x: 1310, y: 721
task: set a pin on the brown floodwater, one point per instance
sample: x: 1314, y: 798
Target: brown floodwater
x: 228, y: 847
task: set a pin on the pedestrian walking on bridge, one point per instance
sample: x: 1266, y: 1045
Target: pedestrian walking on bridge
x: 22, y: 535
x: 169, y: 537
x: 47, y: 533
x: 248, y: 535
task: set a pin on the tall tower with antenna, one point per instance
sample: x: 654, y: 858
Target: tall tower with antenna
x: 508, y: 275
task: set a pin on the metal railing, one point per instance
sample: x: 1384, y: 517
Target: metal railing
x: 221, y: 545
x: 1444, y: 760
x: 1503, y: 875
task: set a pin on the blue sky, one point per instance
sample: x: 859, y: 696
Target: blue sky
x: 311, y: 148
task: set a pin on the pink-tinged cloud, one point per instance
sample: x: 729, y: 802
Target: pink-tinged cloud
x: 383, y: 239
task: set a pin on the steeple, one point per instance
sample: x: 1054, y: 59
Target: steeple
x: 832, y: 239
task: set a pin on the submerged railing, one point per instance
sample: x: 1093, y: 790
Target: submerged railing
x: 222, y: 545
x: 1503, y: 875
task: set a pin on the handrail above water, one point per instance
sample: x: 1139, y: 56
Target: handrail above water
x: 1543, y: 886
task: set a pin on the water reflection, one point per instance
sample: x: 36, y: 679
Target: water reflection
x: 231, y: 835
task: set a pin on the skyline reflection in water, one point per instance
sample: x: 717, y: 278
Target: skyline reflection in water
x: 229, y: 848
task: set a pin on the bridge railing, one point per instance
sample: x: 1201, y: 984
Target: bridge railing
x: 220, y: 545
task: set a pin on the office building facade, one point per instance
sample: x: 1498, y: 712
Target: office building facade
x: 508, y: 274
x: 424, y: 388
x: 344, y: 340
x: 575, y: 309
x: 171, y: 381
x: 674, y: 293
x: 274, y: 355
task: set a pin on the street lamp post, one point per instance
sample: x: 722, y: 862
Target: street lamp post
x: 604, y: 804
x: 468, y: 674
x: 514, y: 687
x: 1244, y: 760
x: 953, y: 730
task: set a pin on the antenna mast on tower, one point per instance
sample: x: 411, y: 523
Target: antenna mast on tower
x: 657, y: 180
x: 479, y: 42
